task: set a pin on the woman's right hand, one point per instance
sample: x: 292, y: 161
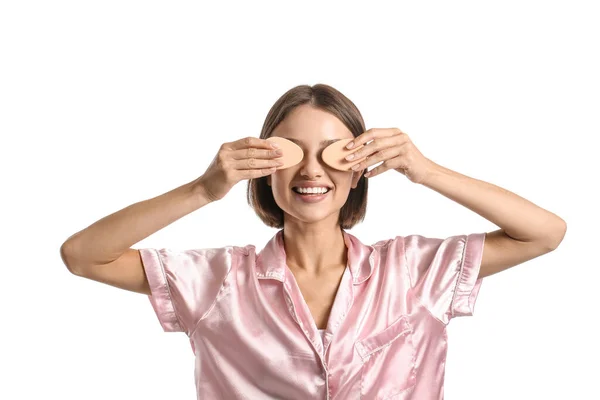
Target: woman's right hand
x: 246, y: 158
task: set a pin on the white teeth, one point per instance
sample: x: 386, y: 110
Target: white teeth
x: 319, y: 190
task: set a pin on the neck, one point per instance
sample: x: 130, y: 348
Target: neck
x: 313, y: 250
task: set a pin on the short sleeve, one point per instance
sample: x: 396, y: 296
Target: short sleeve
x: 184, y: 284
x: 443, y: 273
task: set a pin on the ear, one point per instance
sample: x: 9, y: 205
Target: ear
x: 355, y: 178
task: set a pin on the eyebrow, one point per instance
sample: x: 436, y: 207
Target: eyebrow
x: 322, y: 143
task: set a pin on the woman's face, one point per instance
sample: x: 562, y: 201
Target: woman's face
x: 313, y: 130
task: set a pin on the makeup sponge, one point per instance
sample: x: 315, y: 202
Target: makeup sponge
x: 335, y: 155
x: 292, y: 153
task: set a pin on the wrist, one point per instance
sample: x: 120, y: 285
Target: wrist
x: 431, y: 171
x: 199, y: 194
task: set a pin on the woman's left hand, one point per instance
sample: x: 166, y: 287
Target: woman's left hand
x: 395, y: 149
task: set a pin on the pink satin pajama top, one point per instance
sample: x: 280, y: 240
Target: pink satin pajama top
x: 253, y: 335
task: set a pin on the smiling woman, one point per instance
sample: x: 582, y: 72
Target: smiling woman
x: 313, y: 118
x: 316, y: 313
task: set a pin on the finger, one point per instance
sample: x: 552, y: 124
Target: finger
x: 385, y: 148
x: 255, y: 163
x: 256, y: 173
x: 366, y: 163
x: 389, y: 156
x: 250, y: 141
x: 362, y: 138
x: 371, y: 134
x: 371, y: 149
x: 376, y: 171
x: 253, y: 152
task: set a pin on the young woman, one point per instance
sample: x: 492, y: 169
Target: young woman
x: 316, y: 314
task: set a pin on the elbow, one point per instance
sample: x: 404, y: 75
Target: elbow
x: 66, y: 254
x: 557, y: 236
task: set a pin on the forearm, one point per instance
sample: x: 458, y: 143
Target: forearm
x: 106, y: 239
x: 518, y: 217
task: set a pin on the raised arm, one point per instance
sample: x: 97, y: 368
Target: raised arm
x: 102, y: 251
x: 526, y: 230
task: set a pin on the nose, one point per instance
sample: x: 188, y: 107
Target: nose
x: 311, y: 167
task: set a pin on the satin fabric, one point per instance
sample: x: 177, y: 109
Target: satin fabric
x: 254, y: 338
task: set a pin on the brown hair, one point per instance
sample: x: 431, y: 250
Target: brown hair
x: 324, y: 97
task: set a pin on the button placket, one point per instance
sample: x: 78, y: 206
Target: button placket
x: 317, y: 345
x: 349, y: 294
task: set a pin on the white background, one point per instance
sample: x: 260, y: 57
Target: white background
x: 104, y: 104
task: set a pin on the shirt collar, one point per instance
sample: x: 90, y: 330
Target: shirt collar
x: 271, y: 261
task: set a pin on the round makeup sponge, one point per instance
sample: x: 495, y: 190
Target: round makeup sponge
x: 292, y: 153
x: 335, y: 155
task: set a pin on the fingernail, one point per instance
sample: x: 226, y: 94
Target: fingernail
x: 275, y: 145
x: 350, y: 157
x: 350, y: 145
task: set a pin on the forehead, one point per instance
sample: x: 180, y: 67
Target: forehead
x: 309, y: 125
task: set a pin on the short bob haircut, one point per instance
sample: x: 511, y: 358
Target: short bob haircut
x: 326, y: 98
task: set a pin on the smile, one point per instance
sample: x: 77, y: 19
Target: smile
x: 312, y: 195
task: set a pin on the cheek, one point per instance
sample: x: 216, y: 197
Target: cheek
x: 343, y: 179
x: 280, y: 181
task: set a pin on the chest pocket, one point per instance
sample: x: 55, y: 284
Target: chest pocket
x: 388, y: 362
